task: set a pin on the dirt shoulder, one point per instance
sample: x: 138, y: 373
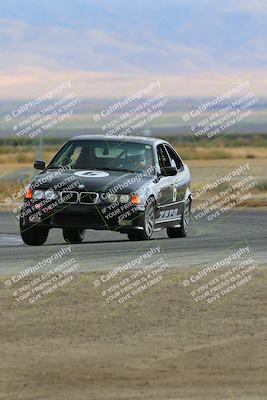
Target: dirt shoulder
x: 164, y: 346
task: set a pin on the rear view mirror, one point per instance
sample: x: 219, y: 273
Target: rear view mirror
x: 38, y: 164
x: 169, y: 171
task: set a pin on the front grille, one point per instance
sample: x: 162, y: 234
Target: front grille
x: 69, y: 197
x: 83, y: 197
x: 88, y: 198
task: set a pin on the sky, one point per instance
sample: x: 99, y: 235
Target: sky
x: 111, y: 48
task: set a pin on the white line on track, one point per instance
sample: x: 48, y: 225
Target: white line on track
x: 10, y: 240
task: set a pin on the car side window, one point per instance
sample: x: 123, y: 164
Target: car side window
x: 164, y: 160
x: 174, y: 158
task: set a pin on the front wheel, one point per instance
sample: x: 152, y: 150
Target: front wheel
x: 182, y: 231
x: 34, y: 236
x: 148, y: 223
x: 73, y: 235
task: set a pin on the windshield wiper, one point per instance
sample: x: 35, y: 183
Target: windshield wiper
x: 118, y: 169
x: 96, y: 169
x: 51, y: 167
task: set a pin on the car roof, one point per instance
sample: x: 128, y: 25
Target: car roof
x: 134, y: 139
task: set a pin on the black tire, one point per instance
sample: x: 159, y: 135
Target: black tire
x: 73, y: 235
x: 182, y: 231
x: 148, y: 223
x: 34, y: 236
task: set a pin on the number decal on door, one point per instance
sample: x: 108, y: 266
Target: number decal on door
x: 168, y: 214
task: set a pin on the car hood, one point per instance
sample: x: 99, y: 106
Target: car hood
x: 92, y: 180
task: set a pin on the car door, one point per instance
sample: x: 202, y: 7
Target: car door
x: 165, y: 186
x: 181, y: 180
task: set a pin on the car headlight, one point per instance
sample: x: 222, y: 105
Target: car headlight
x: 51, y: 195
x: 112, y: 198
x: 125, y: 198
x: 122, y: 198
x: 38, y: 195
x: 44, y: 195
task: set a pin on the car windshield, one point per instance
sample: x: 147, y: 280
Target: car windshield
x: 105, y: 155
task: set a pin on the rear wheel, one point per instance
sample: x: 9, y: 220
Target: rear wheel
x: 34, y: 236
x: 182, y: 231
x: 73, y: 235
x: 148, y: 223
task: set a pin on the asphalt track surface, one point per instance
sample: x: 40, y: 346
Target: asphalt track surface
x: 103, y: 249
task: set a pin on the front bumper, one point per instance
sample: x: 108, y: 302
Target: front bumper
x: 99, y: 217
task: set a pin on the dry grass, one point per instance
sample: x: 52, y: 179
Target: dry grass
x: 205, y: 164
x: 9, y: 167
x: 23, y: 156
x: 248, y: 152
x: 192, y: 152
x: 8, y: 190
x: 11, y: 155
x: 206, y: 170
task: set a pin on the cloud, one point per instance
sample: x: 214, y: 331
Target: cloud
x: 96, y: 49
x: 257, y: 7
x: 26, y: 82
x: 193, y: 48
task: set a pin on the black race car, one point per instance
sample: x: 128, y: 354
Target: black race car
x: 132, y: 185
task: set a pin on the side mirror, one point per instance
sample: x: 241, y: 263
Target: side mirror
x: 169, y: 171
x: 38, y: 164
